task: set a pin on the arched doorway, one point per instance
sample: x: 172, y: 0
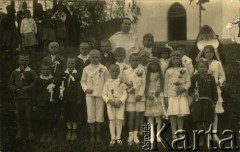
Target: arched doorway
x: 177, y: 23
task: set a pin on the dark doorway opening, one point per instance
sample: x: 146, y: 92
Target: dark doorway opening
x: 177, y: 23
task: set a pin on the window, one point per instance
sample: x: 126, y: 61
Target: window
x: 177, y: 26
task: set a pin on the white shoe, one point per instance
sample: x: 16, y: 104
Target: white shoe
x: 112, y: 143
x: 119, y: 142
x: 130, y: 139
x: 135, y: 139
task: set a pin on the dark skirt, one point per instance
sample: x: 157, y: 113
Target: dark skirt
x: 203, y: 111
x: 39, y: 32
x: 9, y: 39
x: 60, y: 30
x: 48, y: 34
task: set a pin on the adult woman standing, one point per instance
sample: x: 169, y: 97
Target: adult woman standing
x: 206, y: 37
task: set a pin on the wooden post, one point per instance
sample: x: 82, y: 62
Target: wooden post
x: 34, y: 5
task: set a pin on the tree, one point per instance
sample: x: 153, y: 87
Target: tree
x: 201, y: 8
x: 93, y: 13
x: 96, y: 11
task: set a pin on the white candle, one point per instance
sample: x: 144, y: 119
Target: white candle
x: 196, y: 84
x: 51, y: 97
x: 62, y: 83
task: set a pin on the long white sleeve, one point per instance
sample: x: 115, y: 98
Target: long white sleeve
x: 166, y: 84
x: 105, y: 93
x: 222, y: 76
x: 143, y: 85
x: 22, y: 27
x: 188, y: 80
x: 35, y: 26
x: 124, y: 97
x: 84, y: 80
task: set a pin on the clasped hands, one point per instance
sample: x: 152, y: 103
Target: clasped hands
x: 116, y: 104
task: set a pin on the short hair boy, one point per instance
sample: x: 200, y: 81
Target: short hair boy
x: 186, y: 61
x: 21, y: 82
x: 93, y: 79
x: 107, y: 56
x: 148, y: 45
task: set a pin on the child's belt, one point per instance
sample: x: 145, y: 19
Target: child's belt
x: 205, y: 98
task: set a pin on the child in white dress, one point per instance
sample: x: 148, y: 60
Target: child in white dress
x: 177, y: 83
x: 154, y: 93
x: 115, y: 95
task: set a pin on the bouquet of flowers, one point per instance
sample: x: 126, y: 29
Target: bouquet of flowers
x: 139, y: 73
x: 181, y: 72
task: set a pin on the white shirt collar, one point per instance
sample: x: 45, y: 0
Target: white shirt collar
x: 94, y: 65
x: 53, y: 57
x: 46, y: 77
x: 84, y: 58
x: 67, y: 71
x: 26, y: 69
x: 114, y: 80
x: 126, y: 33
x: 105, y: 54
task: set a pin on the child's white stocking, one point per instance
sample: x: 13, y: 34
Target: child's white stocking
x: 119, y: 128
x: 112, y: 126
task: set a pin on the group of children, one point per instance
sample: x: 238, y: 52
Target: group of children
x: 147, y: 86
x: 52, y: 28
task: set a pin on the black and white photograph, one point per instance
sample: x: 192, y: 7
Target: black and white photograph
x: 119, y: 75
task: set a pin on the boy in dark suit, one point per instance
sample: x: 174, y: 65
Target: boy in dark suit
x: 149, y: 46
x: 58, y: 66
x: 56, y: 61
x: 21, y: 82
x: 81, y: 62
x: 107, y: 56
x: 83, y: 57
x: 45, y: 102
x: 71, y: 97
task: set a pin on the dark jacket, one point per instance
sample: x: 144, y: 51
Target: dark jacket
x: 81, y: 65
x: 58, y: 66
x: 107, y: 60
x: 206, y: 84
x: 42, y: 95
x: 72, y: 86
x: 22, y: 79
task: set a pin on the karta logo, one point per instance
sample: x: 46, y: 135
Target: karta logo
x: 228, y: 143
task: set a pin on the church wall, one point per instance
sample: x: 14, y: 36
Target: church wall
x: 154, y: 17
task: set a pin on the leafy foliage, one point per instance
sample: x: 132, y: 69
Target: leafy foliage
x: 98, y: 11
